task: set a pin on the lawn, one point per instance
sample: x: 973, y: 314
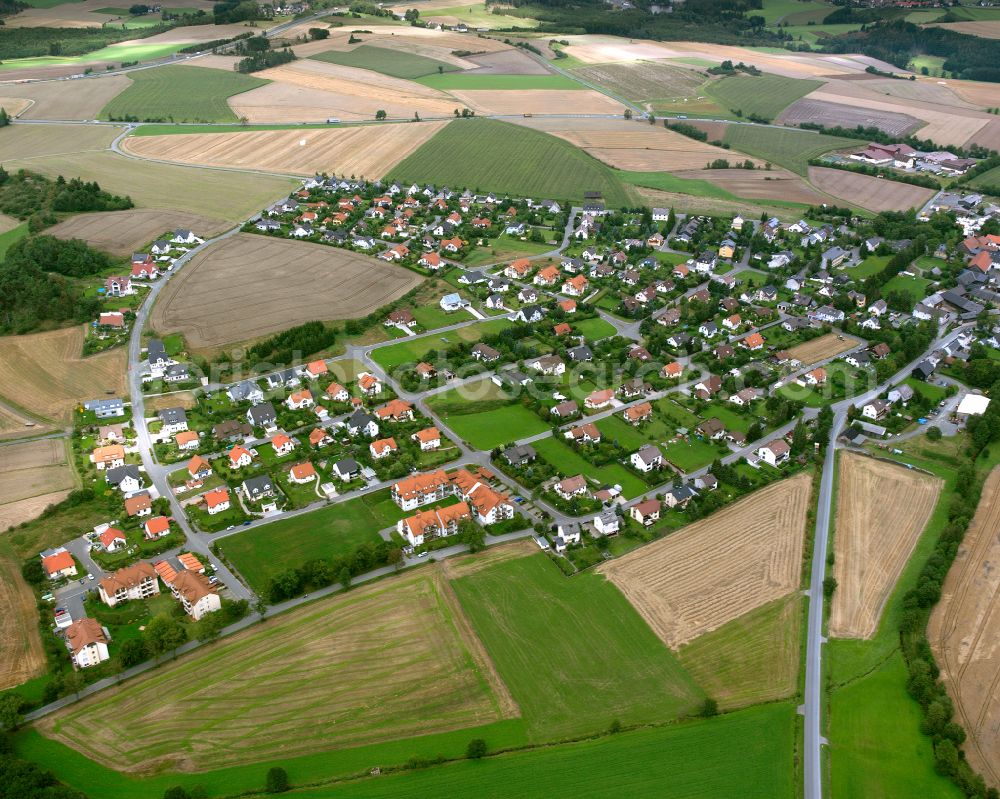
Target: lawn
x: 617, y: 429
x: 914, y: 287
x: 506, y: 158
x: 487, y: 424
x: 877, y: 748
x: 430, y: 317
x: 464, y: 81
x: 507, y: 248
x: 929, y: 390
x: 565, y: 459
x: 872, y: 265
x: 573, y: 652
x: 396, y: 63
x: 593, y: 329
x: 690, y: 455
x: 761, y: 95
x: 786, y: 147
x: 410, y: 350
x: 181, y: 94
x: 262, y: 552
x: 745, y: 754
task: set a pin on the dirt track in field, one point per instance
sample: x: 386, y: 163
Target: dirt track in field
x: 368, y: 151
x: 821, y: 348
x: 249, y: 286
x: 872, y: 193
x: 47, y: 373
x: 964, y: 632
x: 717, y: 569
x: 124, y: 232
x: 882, y: 509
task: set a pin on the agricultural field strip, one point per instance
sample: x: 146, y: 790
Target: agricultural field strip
x: 964, y: 627
x: 881, y: 511
x: 756, y: 557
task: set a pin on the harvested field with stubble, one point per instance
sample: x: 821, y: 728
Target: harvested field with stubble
x: 47, y: 372
x: 830, y: 114
x: 964, y: 629
x: 21, y: 654
x: 873, y: 194
x: 711, y: 572
x: 123, y: 232
x: 34, y: 142
x: 645, y: 80
x: 882, y: 509
x: 213, y: 193
x: 383, y: 662
x: 249, y: 286
x: 823, y: 347
x: 314, y: 91
x: 632, y: 146
x: 537, y: 101
x: 366, y: 151
x: 33, y: 475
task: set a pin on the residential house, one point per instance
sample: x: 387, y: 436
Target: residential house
x: 137, y: 581
x: 775, y: 452
x: 646, y: 512
x: 87, y: 642
x: 196, y: 594
x: 156, y: 527
x: 58, y: 563
x: 216, y: 501
x: 647, y: 459
x: 426, y: 525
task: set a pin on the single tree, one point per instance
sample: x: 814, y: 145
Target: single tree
x: 277, y: 780
x: 476, y: 749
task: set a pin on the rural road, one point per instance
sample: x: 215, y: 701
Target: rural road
x: 812, y: 708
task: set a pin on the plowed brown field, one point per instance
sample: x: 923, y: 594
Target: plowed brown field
x: 369, y: 151
x: 882, y: 509
x: 717, y: 569
x: 964, y: 632
x: 21, y: 654
x: 249, y: 286
x: 821, y: 348
x: 875, y: 194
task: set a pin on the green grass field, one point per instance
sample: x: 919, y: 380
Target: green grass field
x: 789, y: 148
x: 877, y: 748
x: 487, y: 424
x: 794, y: 12
x: 113, y: 52
x: 508, y: 158
x: 478, y: 15
x: 181, y: 93
x: 591, y: 658
x: 413, y: 349
x: 914, y: 287
x: 762, y: 95
x: 752, y: 659
x: 564, y: 458
x: 396, y: 63
x: 11, y: 237
x: 745, y: 754
x: 989, y: 178
x: 666, y: 181
x: 259, y: 554
x: 464, y: 81
x: 594, y: 329
x: 872, y: 265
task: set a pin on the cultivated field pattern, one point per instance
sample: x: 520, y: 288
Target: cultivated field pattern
x: 964, y: 631
x: 882, y: 509
x: 384, y: 662
x: 715, y: 570
x: 124, y: 232
x: 248, y: 286
x: 875, y: 194
x: 821, y: 348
